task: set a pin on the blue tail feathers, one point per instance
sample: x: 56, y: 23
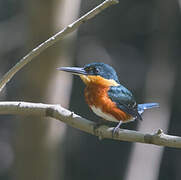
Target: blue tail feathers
x: 142, y: 107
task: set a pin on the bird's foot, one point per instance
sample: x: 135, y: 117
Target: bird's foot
x: 115, y: 131
x: 97, y: 125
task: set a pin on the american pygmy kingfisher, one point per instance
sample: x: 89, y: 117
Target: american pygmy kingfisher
x: 106, y: 96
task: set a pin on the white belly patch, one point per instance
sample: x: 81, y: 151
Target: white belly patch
x: 99, y: 112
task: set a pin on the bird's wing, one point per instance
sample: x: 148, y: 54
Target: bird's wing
x: 124, y: 100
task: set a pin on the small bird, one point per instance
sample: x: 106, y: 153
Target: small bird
x: 105, y: 95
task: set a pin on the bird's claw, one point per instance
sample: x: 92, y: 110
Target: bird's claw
x: 115, y: 131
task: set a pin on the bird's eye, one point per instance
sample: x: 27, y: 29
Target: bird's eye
x: 95, y: 70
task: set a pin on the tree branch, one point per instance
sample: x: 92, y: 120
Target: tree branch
x: 64, y: 115
x: 52, y: 40
x: 76, y: 121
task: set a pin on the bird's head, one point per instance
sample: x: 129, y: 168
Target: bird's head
x: 99, y: 73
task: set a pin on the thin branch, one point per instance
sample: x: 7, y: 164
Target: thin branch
x: 68, y: 117
x: 52, y: 40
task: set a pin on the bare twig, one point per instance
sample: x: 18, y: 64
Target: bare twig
x: 70, y: 28
x: 59, y: 113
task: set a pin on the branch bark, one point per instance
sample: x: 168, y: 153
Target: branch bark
x: 78, y: 122
x: 52, y: 40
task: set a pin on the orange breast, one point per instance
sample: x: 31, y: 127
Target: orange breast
x: 96, y: 95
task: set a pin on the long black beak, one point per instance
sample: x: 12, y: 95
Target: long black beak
x: 73, y: 70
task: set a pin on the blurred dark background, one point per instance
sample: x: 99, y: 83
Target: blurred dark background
x: 140, y: 39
